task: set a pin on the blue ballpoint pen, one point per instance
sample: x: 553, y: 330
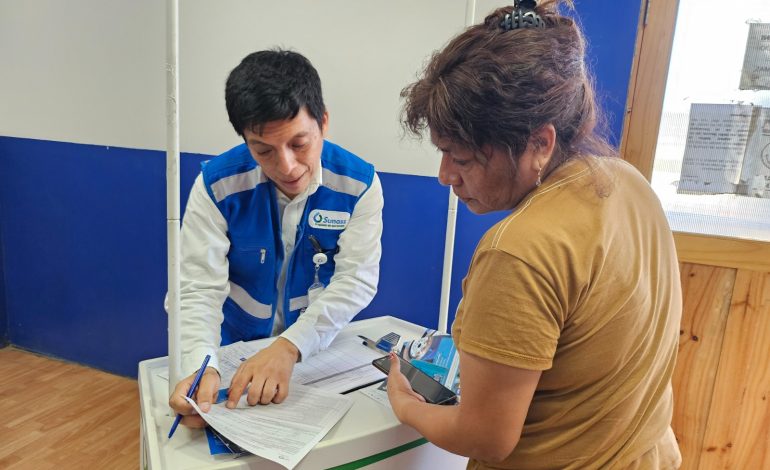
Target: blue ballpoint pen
x: 191, y: 392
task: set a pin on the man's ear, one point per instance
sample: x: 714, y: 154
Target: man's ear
x: 542, y: 142
x: 324, y: 124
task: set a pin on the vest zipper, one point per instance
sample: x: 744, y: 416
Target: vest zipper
x: 262, y: 253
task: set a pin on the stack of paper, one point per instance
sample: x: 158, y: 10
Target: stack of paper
x: 285, y: 432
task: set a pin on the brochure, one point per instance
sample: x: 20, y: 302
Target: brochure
x: 435, y: 354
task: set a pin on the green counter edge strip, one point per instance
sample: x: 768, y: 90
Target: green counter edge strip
x: 381, y: 456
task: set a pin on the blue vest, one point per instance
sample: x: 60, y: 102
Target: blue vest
x: 248, y: 202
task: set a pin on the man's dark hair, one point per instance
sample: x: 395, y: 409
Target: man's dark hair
x: 272, y: 85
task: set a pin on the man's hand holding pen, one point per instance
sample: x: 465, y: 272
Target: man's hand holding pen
x: 204, y: 396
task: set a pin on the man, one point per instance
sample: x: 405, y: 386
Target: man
x: 281, y: 235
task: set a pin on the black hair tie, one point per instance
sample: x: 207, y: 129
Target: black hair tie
x: 523, y: 16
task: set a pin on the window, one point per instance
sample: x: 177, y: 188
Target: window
x: 699, y: 122
x: 712, y: 160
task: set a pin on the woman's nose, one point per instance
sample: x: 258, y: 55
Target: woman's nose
x: 446, y: 175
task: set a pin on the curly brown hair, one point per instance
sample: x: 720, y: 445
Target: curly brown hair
x: 492, y: 87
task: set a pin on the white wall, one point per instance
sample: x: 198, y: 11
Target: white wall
x: 366, y: 51
x: 93, y: 71
x: 84, y: 71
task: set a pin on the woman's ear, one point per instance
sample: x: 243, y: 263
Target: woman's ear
x: 542, y: 142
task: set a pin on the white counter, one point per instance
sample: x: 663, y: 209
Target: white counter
x: 369, y: 436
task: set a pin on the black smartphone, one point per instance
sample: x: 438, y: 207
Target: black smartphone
x: 422, y: 383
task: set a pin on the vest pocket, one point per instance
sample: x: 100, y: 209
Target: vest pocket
x: 253, y: 259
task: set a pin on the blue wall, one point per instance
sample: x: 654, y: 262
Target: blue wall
x: 3, y: 310
x: 610, y: 28
x: 86, y: 260
x: 82, y: 231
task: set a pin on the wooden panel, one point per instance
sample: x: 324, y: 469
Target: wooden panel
x: 631, y: 96
x: 61, y: 415
x: 738, y: 431
x: 706, y: 302
x: 725, y: 252
x: 641, y: 135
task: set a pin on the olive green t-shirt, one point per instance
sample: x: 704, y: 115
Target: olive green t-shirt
x: 582, y: 282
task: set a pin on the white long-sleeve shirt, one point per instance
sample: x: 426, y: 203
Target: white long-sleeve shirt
x: 204, y: 284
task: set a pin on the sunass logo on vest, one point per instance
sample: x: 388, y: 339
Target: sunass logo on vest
x: 329, y: 220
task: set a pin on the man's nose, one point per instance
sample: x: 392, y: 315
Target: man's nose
x: 287, y: 161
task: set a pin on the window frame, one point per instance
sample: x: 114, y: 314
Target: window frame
x: 641, y: 124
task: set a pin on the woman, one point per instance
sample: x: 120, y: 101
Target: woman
x: 568, y: 327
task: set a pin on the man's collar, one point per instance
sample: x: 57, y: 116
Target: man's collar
x: 317, y: 180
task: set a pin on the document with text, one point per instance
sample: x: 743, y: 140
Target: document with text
x: 344, y: 366
x: 285, y: 432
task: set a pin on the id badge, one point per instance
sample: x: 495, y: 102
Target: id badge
x: 313, y: 292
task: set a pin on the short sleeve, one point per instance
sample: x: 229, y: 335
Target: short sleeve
x: 510, y: 313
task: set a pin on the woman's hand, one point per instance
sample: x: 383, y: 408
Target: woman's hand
x: 400, y: 392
